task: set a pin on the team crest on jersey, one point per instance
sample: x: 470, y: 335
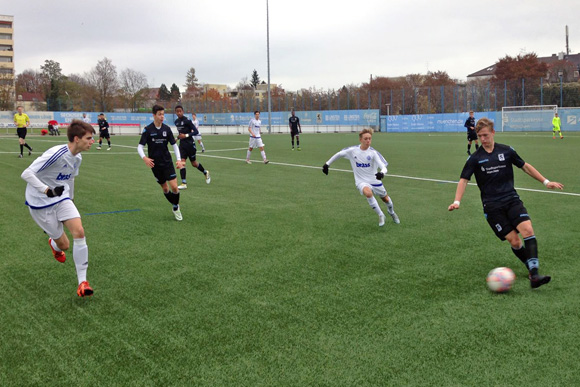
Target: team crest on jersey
x: 164, y: 133
x: 369, y: 158
x: 482, y: 168
x: 501, y: 157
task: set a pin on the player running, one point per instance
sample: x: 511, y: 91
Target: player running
x: 21, y: 121
x: 187, y: 148
x: 492, y: 165
x: 295, y: 129
x: 156, y: 136
x: 256, y: 138
x: 49, y: 197
x: 103, y: 131
x: 365, y: 162
x: 556, y: 127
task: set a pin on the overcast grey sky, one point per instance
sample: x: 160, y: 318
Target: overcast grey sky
x: 313, y: 43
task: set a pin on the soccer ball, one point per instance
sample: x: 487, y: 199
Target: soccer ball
x: 500, y: 279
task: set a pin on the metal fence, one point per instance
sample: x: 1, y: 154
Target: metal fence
x: 475, y: 95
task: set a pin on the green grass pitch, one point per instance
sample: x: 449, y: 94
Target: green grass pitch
x: 279, y: 275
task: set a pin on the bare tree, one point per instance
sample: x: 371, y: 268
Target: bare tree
x: 6, y: 92
x: 104, y: 78
x: 133, y: 86
x: 29, y: 81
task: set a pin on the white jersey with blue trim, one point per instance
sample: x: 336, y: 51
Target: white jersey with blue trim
x: 365, y: 164
x: 57, y: 166
x: 255, y: 126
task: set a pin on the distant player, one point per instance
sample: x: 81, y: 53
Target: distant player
x: 22, y: 121
x: 156, y: 136
x: 493, y: 165
x: 471, y: 135
x: 197, y: 136
x: 556, y: 126
x: 86, y: 119
x: 187, y: 148
x: 256, y: 138
x: 295, y: 129
x: 365, y: 162
x: 103, y: 131
x: 49, y: 197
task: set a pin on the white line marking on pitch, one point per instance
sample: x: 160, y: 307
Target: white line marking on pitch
x: 399, y: 176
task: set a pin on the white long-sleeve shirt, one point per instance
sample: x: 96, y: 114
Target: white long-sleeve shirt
x: 55, y: 167
x: 365, y: 163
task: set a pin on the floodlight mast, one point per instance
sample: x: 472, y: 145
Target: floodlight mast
x: 268, y: 54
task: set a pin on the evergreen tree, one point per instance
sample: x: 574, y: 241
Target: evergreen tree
x: 255, y: 81
x: 164, y: 94
x: 175, y: 93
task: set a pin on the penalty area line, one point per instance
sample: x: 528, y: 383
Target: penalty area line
x: 400, y: 176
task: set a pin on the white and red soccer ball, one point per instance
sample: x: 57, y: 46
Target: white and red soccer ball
x: 500, y: 279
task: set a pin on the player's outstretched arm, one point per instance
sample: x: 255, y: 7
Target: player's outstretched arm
x: 458, y: 195
x: 533, y: 172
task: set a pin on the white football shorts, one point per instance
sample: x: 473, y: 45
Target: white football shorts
x: 50, y: 218
x: 197, y: 138
x: 378, y: 190
x: 256, y: 142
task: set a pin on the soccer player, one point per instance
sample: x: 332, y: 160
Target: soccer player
x: 49, y: 197
x: 21, y: 121
x: 256, y: 138
x: 365, y: 162
x: 103, y: 131
x: 471, y: 135
x: 295, y: 129
x: 156, y: 136
x: 492, y: 165
x: 187, y: 148
x: 556, y: 126
x: 197, y: 135
x: 86, y: 119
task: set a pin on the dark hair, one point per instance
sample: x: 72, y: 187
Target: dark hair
x: 178, y: 107
x: 257, y: 111
x: 483, y: 123
x: 78, y: 128
x: 157, y: 108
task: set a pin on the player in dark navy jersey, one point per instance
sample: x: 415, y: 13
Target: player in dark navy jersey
x: 295, y: 129
x: 103, y: 131
x: 471, y: 134
x: 156, y: 136
x: 492, y: 165
x: 186, y: 134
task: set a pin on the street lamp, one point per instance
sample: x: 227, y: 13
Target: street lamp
x: 69, y: 101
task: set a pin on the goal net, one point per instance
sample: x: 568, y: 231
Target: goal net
x: 527, y: 118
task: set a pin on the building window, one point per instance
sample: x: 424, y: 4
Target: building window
x: 6, y: 71
x: 576, y: 73
x: 6, y: 36
x: 5, y: 47
x: 5, y: 59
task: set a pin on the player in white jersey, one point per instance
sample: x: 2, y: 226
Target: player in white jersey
x: 197, y: 137
x: 49, y: 197
x: 256, y: 138
x: 365, y: 162
x: 86, y: 119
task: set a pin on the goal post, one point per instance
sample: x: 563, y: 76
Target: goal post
x: 527, y: 118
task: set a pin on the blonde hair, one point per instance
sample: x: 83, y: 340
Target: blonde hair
x: 365, y: 131
x: 483, y: 123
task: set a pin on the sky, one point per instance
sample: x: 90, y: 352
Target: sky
x: 313, y: 43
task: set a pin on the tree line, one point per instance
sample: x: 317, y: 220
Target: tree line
x: 104, y: 88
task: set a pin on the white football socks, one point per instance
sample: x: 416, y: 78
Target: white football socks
x: 54, y: 245
x: 390, y: 208
x: 248, y: 155
x: 263, y: 153
x: 374, y: 205
x: 81, y: 258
